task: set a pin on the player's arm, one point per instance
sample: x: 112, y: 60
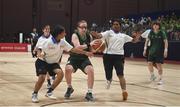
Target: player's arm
x: 40, y: 54
x: 145, y: 47
x: 165, y: 47
x: 80, y: 51
x: 69, y: 48
x: 96, y: 35
x: 76, y: 43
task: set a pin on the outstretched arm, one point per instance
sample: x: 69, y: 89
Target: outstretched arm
x: 145, y: 47
x: 165, y: 48
x: 80, y: 51
x: 96, y: 35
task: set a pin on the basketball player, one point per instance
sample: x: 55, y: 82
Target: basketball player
x: 80, y: 38
x: 46, y: 34
x: 114, y: 54
x: 157, y: 50
x: 49, y: 51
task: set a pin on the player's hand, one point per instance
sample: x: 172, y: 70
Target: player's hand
x: 40, y: 54
x: 89, y: 54
x: 95, y: 34
x: 144, y: 53
x: 165, y: 54
x: 95, y: 42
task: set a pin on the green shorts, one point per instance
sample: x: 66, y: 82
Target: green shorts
x: 78, y: 63
x: 155, y: 59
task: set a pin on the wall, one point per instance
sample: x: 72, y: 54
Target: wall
x: 1, y: 18
x: 17, y: 16
x: 55, y: 12
x: 118, y: 8
x: 22, y: 15
x: 146, y: 6
x: 171, y: 4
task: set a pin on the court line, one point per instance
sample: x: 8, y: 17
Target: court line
x: 100, y: 101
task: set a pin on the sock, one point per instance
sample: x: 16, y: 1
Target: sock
x: 49, y: 81
x: 69, y: 86
x: 89, y: 90
x: 123, y: 90
x: 35, y: 92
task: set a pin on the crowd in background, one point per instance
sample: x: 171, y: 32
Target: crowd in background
x: 170, y: 23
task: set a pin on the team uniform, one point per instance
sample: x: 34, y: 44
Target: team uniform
x: 114, y: 53
x: 156, y: 48
x: 79, y: 60
x: 53, y: 51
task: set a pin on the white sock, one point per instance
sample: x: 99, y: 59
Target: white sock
x: 123, y: 90
x: 69, y: 86
x: 89, y: 90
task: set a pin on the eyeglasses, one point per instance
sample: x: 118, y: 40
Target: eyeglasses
x: 82, y: 27
x: 116, y: 24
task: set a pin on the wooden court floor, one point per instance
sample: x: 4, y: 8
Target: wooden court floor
x: 17, y: 79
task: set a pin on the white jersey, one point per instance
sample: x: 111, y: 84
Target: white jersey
x: 115, y: 42
x: 53, y: 49
x: 41, y: 39
x: 146, y: 33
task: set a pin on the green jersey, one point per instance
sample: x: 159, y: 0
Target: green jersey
x: 157, y: 43
x: 83, y: 40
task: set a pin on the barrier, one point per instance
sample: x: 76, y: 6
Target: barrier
x: 14, y: 47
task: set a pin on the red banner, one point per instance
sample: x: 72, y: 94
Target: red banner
x: 13, y: 47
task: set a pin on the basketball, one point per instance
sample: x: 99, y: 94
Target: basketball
x: 98, y: 46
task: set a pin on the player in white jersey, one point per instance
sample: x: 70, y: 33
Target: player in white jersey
x: 46, y: 34
x: 49, y: 52
x: 114, y: 54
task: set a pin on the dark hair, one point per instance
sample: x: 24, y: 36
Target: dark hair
x: 44, y: 26
x: 81, y: 21
x: 58, y: 30
x: 157, y: 23
x: 116, y: 20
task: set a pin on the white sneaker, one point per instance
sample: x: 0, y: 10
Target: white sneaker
x: 35, y: 98
x: 50, y: 95
x: 108, y: 84
x: 153, y: 77
x: 160, y: 82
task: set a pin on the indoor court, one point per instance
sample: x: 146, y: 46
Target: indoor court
x: 17, y: 79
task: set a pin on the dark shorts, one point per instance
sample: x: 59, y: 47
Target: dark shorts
x: 155, y: 59
x: 116, y: 61
x: 52, y: 67
x: 41, y: 67
x: 79, y: 63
